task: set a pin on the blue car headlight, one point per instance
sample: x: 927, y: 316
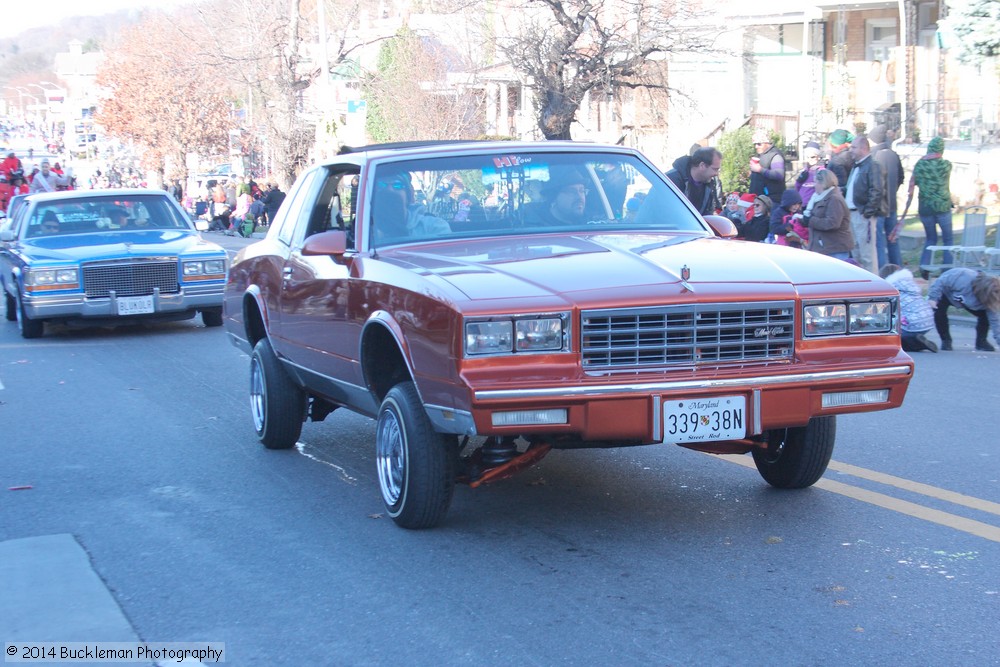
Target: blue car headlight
x: 204, y: 268
x: 49, y: 279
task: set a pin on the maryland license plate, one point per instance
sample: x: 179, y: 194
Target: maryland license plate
x: 704, y: 419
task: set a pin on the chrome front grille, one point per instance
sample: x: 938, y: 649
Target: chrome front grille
x: 130, y: 278
x: 688, y: 334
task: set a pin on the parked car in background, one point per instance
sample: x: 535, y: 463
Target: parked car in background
x: 519, y: 306
x: 107, y: 256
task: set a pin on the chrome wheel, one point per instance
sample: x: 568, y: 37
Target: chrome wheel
x: 277, y: 404
x: 257, y: 394
x: 390, y: 456
x: 415, y: 464
x: 28, y: 327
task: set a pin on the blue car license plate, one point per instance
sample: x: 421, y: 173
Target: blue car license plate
x: 135, y: 305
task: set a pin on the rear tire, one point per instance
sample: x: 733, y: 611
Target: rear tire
x: 416, y: 465
x: 797, y: 457
x: 277, y: 404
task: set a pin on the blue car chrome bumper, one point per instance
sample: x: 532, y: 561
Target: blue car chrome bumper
x: 73, y: 306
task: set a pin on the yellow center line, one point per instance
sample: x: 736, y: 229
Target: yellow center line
x: 970, y: 526
x: 917, y: 487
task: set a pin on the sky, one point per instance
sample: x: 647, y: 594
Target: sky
x: 18, y: 15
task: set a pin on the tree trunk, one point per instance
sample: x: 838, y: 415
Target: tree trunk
x: 556, y: 118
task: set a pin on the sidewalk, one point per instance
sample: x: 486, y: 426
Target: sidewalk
x: 51, y: 593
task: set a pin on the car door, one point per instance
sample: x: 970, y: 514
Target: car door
x: 8, y: 256
x: 316, y: 292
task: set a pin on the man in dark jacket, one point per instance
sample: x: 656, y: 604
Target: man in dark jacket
x: 272, y: 200
x: 767, y: 167
x: 867, y: 202
x: 694, y: 176
x: 892, y: 167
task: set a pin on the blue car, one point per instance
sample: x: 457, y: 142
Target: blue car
x: 107, y: 256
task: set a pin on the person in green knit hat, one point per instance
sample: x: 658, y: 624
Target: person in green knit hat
x: 932, y: 174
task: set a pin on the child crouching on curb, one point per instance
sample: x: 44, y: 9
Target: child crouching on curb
x: 916, y: 314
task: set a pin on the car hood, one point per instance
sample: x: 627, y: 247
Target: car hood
x: 568, y: 265
x: 116, y: 244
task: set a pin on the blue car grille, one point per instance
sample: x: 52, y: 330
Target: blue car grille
x: 638, y: 338
x: 130, y: 278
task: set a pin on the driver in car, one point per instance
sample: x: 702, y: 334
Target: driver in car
x: 565, y: 196
x: 50, y: 224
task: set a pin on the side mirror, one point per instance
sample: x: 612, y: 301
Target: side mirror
x: 332, y: 243
x: 7, y: 235
x: 201, y: 225
x: 723, y: 227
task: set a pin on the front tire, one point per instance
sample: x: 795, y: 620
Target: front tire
x: 277, y: 404
x: 11, y: 311
x: 29, y: 328
x: 797, y: 457
x: 416, y: 465
x: 212, y: 318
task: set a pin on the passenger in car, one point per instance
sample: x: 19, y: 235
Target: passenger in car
x: 118, y: 217
x: 395, y: 202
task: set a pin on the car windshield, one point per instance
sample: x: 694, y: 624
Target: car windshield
x: 521, y: 192
x: 103, y: 214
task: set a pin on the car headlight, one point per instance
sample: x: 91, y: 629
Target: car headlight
x: 215, y: 266
x: 206, y: 267
x: 520, y: 334
x: 852, y: 317
x: 53, y: 278
x: 828, y: 319
x: 872, y: 317
x: 488, y: 337
x: 194, y: 268
x: 539, y: 335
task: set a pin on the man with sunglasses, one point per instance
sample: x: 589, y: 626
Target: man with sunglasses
x: 50, y: 224
x: 767, y: 167
x: 396, y: 212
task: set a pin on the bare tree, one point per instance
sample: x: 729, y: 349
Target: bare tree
x: 413, y: 95
x: 157, y: 98
x: 271, y: 53
x: 566, y: 48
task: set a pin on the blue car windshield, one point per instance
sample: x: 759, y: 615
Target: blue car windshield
x: 103, y: 214
x: 521, y: 192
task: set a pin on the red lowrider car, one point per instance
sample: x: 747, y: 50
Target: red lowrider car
x: 492, y: 301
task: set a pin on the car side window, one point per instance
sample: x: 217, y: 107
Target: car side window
x: 290, y: 220
x: 327, y: 212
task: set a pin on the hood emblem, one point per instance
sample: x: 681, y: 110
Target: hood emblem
x: 685, y: 276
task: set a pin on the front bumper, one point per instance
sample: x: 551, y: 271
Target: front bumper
x: 78, y: 306
x: 633, y: 412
